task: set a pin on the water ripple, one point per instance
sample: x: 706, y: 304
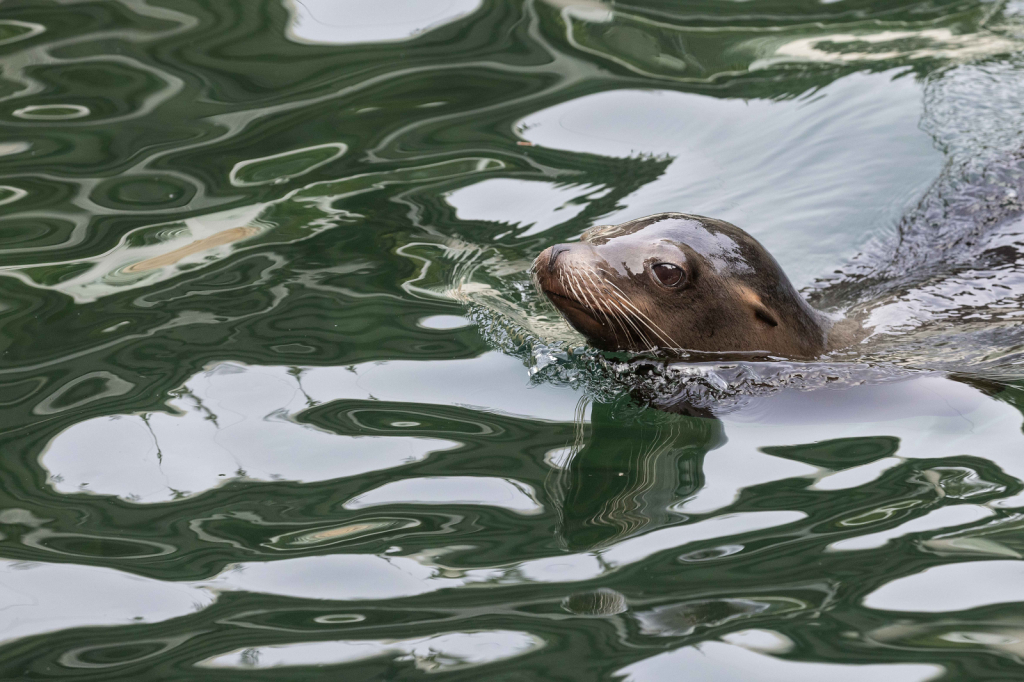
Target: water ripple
x: 278, y: 393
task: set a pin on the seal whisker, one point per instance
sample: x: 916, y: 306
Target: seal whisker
x: 608, y: 317
x: 561, y: 280
x: 592, y: 302
x: 578, y: 295
x: 612, y: 320
x: 572, y: 287
x: 577, y: 292
x: 658, y: 331
x: 646, y: 342
x: 626, y: 317
x: 643, y: 318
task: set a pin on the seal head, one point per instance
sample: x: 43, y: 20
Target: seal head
x: 675, y: 281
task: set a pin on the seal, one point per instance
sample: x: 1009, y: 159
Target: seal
x: 680, y: 282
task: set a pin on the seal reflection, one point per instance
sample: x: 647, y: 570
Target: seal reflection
x: 614, y: 485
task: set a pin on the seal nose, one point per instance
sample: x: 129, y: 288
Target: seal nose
x: 556, y: 251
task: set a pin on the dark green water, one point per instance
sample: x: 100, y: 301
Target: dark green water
x: 279, y: 403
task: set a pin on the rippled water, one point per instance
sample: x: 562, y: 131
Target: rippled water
x: 277, y: 393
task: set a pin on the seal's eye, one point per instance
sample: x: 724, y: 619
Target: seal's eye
x: 668, y: 274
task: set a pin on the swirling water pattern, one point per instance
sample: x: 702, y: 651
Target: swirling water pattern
x: 278, y: 401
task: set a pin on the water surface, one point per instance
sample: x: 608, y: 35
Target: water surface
x: 278, y: 399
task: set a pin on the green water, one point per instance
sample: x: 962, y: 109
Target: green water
x: 279, y: 403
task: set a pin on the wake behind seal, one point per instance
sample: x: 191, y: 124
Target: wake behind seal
x: 674, y: 281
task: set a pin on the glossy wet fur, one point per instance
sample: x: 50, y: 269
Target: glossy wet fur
x: 678, y: 281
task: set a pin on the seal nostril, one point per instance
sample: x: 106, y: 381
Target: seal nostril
x: 556, y: 251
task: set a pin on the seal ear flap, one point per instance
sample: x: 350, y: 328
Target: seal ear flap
x: 760, y: 310
x: 762, y: 313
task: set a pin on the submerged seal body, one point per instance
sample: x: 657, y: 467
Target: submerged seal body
x: 674, y: 281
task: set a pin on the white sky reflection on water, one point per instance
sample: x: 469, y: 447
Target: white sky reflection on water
x: 255, y: 431
x: 353, y: 577
x: 341, y: 22
x: 932, y: 417
x: 539, y: 205
x: 952, y: 587
x: 452, y: 490
x: 158, y: 458
x: 726, y: 663
x: 436, y: 653
x: 813, y: 188
x: 42, y: 597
